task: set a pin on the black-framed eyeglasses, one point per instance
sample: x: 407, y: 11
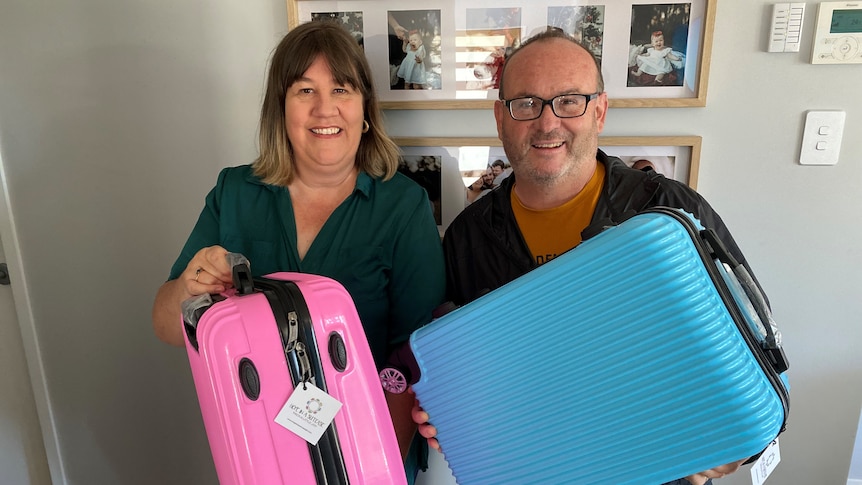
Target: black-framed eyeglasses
x: 563, y: 106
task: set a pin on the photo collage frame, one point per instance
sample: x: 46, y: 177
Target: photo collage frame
x: 448, y: 54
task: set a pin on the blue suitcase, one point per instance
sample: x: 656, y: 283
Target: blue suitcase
x: 643, y: 355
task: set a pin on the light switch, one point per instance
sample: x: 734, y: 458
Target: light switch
x: 821, y: 140
x: 786, y: 27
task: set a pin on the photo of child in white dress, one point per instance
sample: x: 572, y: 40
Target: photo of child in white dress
x: 412, y: 69
x: 415, y: 56
x: 658, y: 44
x: 656, y: 59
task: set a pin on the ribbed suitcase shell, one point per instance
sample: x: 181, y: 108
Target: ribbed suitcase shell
x: 617, y: 362
x: 247, y: 445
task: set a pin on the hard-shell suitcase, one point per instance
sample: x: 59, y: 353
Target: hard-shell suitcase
x: 641, y: 356
x: 250, y: 350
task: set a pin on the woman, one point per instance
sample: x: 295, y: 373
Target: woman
x: 323, y: 197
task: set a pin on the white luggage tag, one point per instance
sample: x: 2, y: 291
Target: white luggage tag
x: 767, y: 462
x: 309, y: 410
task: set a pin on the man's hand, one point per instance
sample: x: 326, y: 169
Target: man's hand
x: 428, y: 431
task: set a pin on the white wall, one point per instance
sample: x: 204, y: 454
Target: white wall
x: 115, y: 117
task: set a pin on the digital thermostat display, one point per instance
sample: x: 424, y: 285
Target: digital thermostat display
x: 846, y: 22
x: 838, y: 34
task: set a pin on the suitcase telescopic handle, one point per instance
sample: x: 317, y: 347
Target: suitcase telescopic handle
x: 241, y: 269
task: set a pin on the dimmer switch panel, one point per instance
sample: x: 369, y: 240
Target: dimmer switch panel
x: 785, y: 32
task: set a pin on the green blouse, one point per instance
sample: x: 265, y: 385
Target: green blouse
x: 381, y: 243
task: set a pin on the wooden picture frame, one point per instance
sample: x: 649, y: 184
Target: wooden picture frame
x: 458, y: 163
x: 463, y: 53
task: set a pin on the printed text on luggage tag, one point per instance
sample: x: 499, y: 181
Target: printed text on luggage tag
x: 308, y: 412
x: 766, y: 463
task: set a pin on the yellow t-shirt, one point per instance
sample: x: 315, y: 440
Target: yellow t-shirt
x: 552, y: 232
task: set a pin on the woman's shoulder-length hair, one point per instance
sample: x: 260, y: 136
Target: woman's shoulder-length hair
x: 377, y: 155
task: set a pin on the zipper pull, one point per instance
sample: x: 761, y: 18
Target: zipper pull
x: 292, y: 332
x: 304, y: 363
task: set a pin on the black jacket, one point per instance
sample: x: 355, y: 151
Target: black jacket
x: 484, y: 248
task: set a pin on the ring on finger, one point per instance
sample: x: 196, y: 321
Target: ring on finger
x: 198, y: 273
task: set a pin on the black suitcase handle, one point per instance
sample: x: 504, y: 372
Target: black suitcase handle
x: 241, y: 270
x: 772, y: 341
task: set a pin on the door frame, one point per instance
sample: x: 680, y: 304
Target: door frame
x: 26, y: 323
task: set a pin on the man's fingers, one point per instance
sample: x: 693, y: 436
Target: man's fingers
x: 427, y: 430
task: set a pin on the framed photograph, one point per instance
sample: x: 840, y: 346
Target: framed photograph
x: 675, y: 157
x: 458, y: 171
x: 448, y: 54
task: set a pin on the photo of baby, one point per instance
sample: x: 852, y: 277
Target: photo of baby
x: 656, y: 59
x: 658, y: 43
x: 412, y: 68
x: 415, y: 60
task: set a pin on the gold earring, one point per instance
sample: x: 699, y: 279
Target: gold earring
x: 365, y: 126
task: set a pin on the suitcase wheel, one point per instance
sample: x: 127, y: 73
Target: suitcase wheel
x: 249, y: 379
x: 393, y: 380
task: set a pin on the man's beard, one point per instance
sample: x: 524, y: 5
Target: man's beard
x: 580, y: 151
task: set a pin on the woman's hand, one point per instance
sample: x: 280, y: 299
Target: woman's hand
x: 207, y: 272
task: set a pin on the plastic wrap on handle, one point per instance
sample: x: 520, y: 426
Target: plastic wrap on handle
x: 772, y: 341
x: 192, y: 309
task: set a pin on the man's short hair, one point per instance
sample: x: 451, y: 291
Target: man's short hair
x: 552, y: 33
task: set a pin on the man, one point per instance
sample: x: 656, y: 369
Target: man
x: 500, y: 171
x: 551, y: 110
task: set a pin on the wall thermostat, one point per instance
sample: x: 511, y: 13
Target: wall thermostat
x: 838, y: 35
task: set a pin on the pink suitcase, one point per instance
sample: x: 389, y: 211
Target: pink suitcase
x: 246, y: 355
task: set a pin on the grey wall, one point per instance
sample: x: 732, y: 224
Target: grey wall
x: 115, y: 117
x: 22, y: 453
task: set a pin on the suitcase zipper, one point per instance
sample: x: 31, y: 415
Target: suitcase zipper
x: 709, y: 257
x: 303, y: 364
x: 303, y: 361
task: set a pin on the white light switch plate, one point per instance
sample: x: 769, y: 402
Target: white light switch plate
x: 821, y: 141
